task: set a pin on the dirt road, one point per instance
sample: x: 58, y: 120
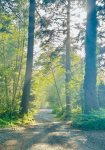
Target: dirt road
x: 48, y: 134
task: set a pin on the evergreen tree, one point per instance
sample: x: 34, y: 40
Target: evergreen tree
x: 67, y: 81
x: 29, y: 63
x: 90, y: 93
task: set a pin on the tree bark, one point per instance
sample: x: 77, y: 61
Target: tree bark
x: 67, y: 82
x: 90, y: 93
x: 29, y: 63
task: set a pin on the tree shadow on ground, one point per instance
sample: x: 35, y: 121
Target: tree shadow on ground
x: 50, y: 134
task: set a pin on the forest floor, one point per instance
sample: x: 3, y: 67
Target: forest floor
x: 50, y: 134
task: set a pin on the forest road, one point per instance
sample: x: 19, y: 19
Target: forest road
x: 50, y: 134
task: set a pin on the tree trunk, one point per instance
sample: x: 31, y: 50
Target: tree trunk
x: 90, y: 94
x: 67, y: 82
x: 29, y: 63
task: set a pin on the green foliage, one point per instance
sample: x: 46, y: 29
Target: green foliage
x: 93, y: 121
x: 58, y: 112
x: 76, y: 88
x: 12, y: 62
x: 11, y: 74
x: 9, y: 119
x: 63, y: 115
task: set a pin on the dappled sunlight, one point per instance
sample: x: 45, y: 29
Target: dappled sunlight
x: 52, y: 74
x: 50, y: 135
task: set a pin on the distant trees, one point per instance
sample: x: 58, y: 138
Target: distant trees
x: 61, y: 19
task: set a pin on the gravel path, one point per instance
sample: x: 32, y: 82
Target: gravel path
x: 48, y: 134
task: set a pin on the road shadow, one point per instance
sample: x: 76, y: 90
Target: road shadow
x: 52, y: 134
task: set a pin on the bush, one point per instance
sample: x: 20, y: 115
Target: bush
x: 8, y: 119
x: 93, y: 121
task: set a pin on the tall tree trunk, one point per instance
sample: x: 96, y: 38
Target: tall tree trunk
x: 68, y: 60
x: 90, y: 94
x: 29, y: 64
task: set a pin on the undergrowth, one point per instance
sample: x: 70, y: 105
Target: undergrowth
x: 14, y: 119
x: 95, y: 120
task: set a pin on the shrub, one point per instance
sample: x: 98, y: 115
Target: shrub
x: 93, y: 121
